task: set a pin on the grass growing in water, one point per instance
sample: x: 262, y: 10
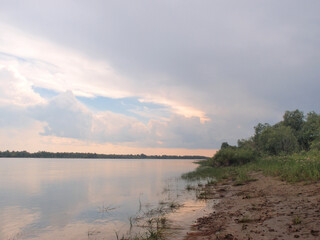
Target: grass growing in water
x: 206, y: 172
x: 154, y: 230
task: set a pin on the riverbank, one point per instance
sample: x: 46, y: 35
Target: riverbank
x: 263, y: 208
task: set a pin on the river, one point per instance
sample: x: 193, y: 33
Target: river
x: 84, y: 198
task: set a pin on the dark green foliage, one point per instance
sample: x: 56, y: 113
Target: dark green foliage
x: 289, y: 149
x: 293, y: 134
x: 233, y: 156
x: 246, y: 143
x: 310, y: 130
x: 296, y: 132
x: 225, y: 145
x: 258, y: 130
x: 294, y: 119
x: 277, y: 140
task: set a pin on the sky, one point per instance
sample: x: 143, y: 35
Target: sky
x: 154, y: 77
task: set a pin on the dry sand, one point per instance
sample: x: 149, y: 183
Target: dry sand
x: 266, y: 208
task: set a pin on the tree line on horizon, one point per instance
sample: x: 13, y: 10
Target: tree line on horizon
x: 44, y: 154
x: 296, y: 133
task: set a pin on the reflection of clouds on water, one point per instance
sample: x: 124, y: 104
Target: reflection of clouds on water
x: 13, y: 219
x: 68, y: 194
x: 79, y: 231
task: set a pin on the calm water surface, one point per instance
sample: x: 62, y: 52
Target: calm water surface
x: 82, y: 198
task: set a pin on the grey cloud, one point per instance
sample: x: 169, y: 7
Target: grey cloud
x: 65, y: 117
x: 14, y: 117
x: 182, y: 132
x: 253, y: 59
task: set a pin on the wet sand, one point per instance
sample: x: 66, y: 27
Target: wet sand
x: 266, y: 208
x: 181, y: 219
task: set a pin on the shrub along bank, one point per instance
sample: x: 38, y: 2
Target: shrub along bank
x: 289, y: 149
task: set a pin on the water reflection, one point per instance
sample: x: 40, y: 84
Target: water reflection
x: 80, y: 198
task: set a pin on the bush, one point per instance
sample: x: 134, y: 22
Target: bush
x: 233, y: 156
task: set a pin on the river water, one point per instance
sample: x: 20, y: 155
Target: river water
x: 84, y: 198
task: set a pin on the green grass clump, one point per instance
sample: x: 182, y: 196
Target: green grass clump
x: 242, y: 175
x: 207, y: 171
x: 293, y: 168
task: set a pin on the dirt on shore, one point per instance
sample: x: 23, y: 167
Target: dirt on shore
x: 265, y: 208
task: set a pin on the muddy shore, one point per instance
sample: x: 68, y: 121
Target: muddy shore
x: 265, y: 208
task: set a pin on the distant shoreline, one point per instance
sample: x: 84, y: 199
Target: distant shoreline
x: 43, y: 154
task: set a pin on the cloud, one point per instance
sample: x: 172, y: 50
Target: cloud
x: 117, y: 128
x: 218, y: 68
x: 59, y: 69
x: 182, y: 132
x: 62, y: 69
x: 64, y: 116
x: 16, y: 89
x: 13, y: 219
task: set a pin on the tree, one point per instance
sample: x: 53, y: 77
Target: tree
x: 294, y: 119
x: 278, y: 139
x: 224, y: 145
x: 246, y: 143
x: 311, y: 130
x: 258, y: 130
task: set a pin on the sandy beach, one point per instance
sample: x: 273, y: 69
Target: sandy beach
x: 265, y: 208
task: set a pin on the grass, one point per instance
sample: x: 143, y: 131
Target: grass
x: 215, y: 174
x: 174, y: 205
x: 189, y: 187
x: 151, y: 234
x: 155, y: 228
x: 206, y: 172
x: 292, y: 168
x: 152, y: 224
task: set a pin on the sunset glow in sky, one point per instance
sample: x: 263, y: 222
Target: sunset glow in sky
x: 153, y: 77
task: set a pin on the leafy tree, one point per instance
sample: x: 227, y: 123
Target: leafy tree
x: 294, y: 119
x: 311, y: 130
x: 277, y: 140
x: 246, y: 143
x: 224, y: 145
x: 258, y: 130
